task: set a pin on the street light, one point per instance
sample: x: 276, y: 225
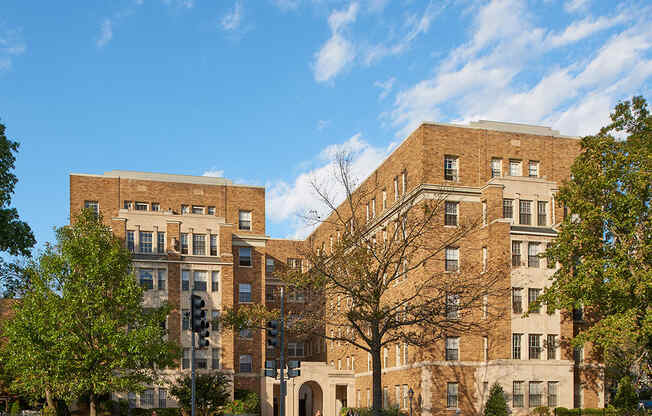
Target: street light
x: 410, y: 396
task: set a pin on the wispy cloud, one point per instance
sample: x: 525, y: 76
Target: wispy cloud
x: 572, y: 6
x: 232, y: 20
x: 106, y: 33
x: 216, y: 173
x: 186, y: 4
x: 338, y: 51
x: 11, y: 45
x: 385, y: 87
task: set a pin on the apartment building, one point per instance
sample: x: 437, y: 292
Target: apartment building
x: 207, y: 235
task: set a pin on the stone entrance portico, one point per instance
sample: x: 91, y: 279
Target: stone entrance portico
x: 320, y: 387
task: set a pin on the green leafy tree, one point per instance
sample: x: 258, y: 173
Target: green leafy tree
x: 211, y: 392
x: 605, y: 245
x: 626, y: 397
x: 81, y: 328
x: 496, y: 403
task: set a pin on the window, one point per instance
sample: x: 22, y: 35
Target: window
x: 215, y: 314
x: 130, y: 241
x: 367, y: 212
x: 578, y: 354
x: 551, y: 346
x: 532, y: 296
x: 516, y: 346
x: 517, y: 300
x: 385, y: 397
x: 406, y: 399
x: 160, y: 238
x: 397, y: 395
x: 244, y: 220
x: 533, y: 169
x: 496, y: 167
x: 245, y: 363
x: 452, y: 348
x: 534, y: 346
x: 485, y: 306
x: 373, y: 208
x: 199, y: 244
x: 385, y: 357
x: 185, y: 280
x: 213, y: 245
x: 525, y: 212
x: 244, y: 292
x: 141, y: 206
x: 145, y: 242
x: 403, y: 182
x: 185, y: 209
x: 161, y: 278
x: 92, y: 205
x: 398, y: 354
x: 451, y: 395
x: 162, y: 398
x: 200, y: 278
x: 535, y: 398
x: 517, y: 394
x: 244, y: 254
x: 368, y: 397
x: 508, y: 208
x: 131, y: 398
x: 185, y: 363
x: 211, y: 211
x: 452, y: 305
x: 578, y: 313
x: 127, y: 205
x: 384, y: 199
x: 516, y: 253
x: 542, y: 217
x: 552, y: 393
x: 245, y: 333
x: 269, y: 293
x: 485, y: 345
x: 395, y: 188
x: 450, y: 168
x: 196, y: 209
x: 184, y: 243
x: 297, y: 349
x: 452, y: 259
x: 532, y: 254
x: 484, y: 259
x: 147, y: 398
x: 339, y: 364
x: 215, y: 281
x: 450, y: 218
x: 156, y: 206
x: 146, y: 279
x: 294, y: 264
x: 515, y: 168
x: 185, y: 319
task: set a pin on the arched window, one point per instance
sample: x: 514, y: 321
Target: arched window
x: 245, y: 363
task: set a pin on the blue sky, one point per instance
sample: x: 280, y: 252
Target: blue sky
x: 263, y: 91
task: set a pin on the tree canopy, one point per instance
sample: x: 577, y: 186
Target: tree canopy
x: 211, y: 392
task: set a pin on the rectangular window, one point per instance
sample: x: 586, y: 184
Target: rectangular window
x: 184, y: 243
x: 496, y: 167
x: 244, y: 256
x: 397, y: 395
x: 533, y: 169
x: 161, y: 275
x: 213, y: 245
x: 141, y: 206
x: 185, y: 363
x: 146, y: 279
x: 451, y: 395
x: 269, y: 265
x: 294, y: 264
x: 196, y: 209
x: 542, y: 215
x: 244, y: 293
x: 515, y: 168
x: 199, y: 244
x: 367, y: 212
x: 244, y: 220
x: 145, y: 242
x: 147, y: 399
x: 450, y: 168
x: 395, y: 188
x: 156, y: 206
x: 485, y: 345
x: 484, y: 259
x: 534, y: 346
x: 406, y: 399
x: 130, y: 241
x: 536, y: 394
x: 185, y: 280
x: 532, y: 296
x: 452, y: 259
x: 450, y: 217
x: 246, y: 363
x: 269, y: 293
x: 215, y: 281
x: 160, y: 239
x: 92, y: 205
x: 162, y: 398
x: 385, y: 397
x: 200, y: 280
x: 578, y: 314
x: 516, y: 346
x: 516, y: 253
x: 185, y: 209
x: 485, y: 306
x: 452, y: 306
x: 185, y: 319
x: 551, y: 347
x: 246, y: 333
x: 578, y: 354
x: 517, y: 300
x: 127, y: 205
x: 552, y: 394
x: 368, y: 398
x: 525, y: 212
x: 484, y: 212
x: 508, y: 208
x: 517, y: 394
x: 452, y: 348
x: 297, y: 349
x: 403, y: 182
x: 384, y: 199
x: 532, y: 254
x: 211, y: 211
x: 373, y: 208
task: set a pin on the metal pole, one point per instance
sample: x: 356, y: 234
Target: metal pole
x: 192, y: 365
x: 281, y: 402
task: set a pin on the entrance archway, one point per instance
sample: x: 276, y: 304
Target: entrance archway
x: 311, y: 399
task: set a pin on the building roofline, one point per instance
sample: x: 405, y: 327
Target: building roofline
x: 166, y: 177
x: 505, y: 127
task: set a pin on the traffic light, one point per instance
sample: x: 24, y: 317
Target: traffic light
x: 294, y: 368
x: 273, y: 328
x: 270, y: 368
x: 198, y: 320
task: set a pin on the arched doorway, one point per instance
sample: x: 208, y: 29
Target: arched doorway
x: 311, y: 399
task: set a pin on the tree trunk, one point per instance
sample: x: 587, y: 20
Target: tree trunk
x: 49, y: 400
x: 377, y: 381
x: 92, y: 401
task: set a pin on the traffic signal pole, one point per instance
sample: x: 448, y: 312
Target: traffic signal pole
x: 199, y: 325
x: 192, y: 370
x: 281, y: 402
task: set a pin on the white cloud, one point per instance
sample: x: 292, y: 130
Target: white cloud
x: 106, y: 33
x: 216, y: 173
x: 338, y: 51
x: 232, y: 20
x: 385, y: 87
x: 582, y: 29
x: 11, y: 45
x: 572, y: 6
x: 289, y: 201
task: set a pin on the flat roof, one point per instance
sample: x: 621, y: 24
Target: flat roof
x: 167, y: 177
x: 507, y: 128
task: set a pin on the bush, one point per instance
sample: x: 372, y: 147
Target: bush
x: 244, y: 402
x: 48, y: 411
x: 541, y: 411
x: 496, y: 403
x: 14, y: 410
x: 626, y: 397
x: 368, y: 411
x: 562, y: 411
x: 167, y: 411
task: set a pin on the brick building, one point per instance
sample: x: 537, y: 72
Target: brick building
x: 208, y: 235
